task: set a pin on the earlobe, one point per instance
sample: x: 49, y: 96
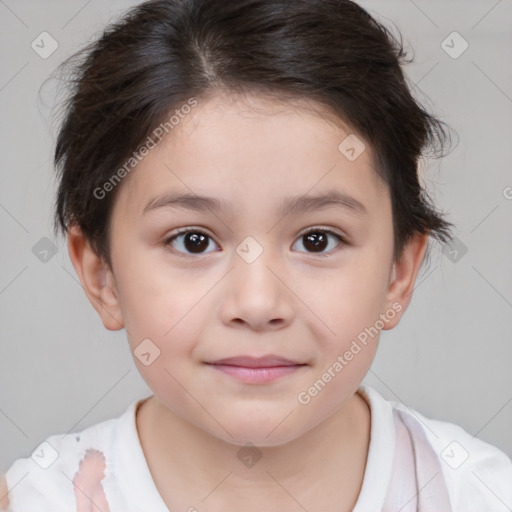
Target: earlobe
x: 403, y: 276
x: 96, y: 278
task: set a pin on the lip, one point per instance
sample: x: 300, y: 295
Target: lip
x: 256, y: 370
x: 256, y: 362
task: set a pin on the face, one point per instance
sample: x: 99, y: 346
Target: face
x: 290, y: 257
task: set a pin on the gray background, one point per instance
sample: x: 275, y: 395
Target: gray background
x: 450, y: 358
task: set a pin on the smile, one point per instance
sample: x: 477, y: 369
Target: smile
x: 257, y: 375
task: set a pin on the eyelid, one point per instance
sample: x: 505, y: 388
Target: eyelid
x: 342, y: 238
x: 187, y: 229
x: 305, y: 231
x: 327, y: 229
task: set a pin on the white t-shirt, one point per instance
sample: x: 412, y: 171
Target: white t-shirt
x: 476, y: 475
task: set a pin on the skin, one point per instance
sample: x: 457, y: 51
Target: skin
x: 251, y: 152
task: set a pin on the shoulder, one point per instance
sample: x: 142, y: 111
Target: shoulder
x: 46, y: 480
x: 478, y: 475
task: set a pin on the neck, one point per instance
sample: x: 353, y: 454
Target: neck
x: 190, y: 466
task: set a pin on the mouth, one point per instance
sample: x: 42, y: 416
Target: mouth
x: 256, y: 370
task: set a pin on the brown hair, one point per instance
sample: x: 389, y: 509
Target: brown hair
x: 163, y: 52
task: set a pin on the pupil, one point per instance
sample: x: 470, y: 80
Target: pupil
x: 317, y: 240
x: 193, y: 242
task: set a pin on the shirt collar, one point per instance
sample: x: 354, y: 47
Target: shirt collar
x: 133, y: 472
x: 379, y: 463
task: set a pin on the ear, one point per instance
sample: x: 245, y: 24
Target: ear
x: 96, y: 278
x: 403, y: 277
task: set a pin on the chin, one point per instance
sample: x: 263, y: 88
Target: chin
x: 267, y: 433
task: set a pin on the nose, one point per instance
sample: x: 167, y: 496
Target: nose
x: 256, y: 295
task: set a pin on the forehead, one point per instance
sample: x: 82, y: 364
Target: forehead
x: 254, y: 150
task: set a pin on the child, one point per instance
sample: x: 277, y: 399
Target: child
x: 283, y: 138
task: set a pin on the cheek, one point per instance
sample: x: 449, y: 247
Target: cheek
x: 349, y: 303
x: 157, y: 301
x: 347, y: 300
x: 347, y: 338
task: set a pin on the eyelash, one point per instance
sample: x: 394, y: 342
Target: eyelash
x: 316, y: 229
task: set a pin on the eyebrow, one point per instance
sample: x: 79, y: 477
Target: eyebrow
x: 290, y: 205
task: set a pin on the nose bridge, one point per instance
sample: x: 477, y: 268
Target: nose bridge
x: 255, y: 295
x: 253, y: 262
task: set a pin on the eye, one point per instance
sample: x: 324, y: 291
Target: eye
x: 189, y: 241
x: 317, y: 239
x: 193, y: 241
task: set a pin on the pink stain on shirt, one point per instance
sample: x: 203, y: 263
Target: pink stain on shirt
x: 89, y: 493
x: 4, y: 499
